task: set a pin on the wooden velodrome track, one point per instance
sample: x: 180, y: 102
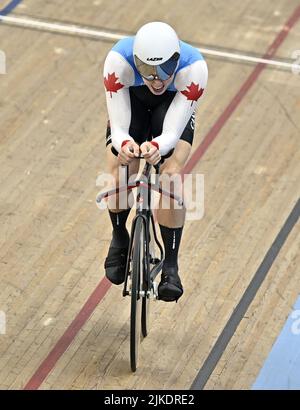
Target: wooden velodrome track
x: 66, y: 328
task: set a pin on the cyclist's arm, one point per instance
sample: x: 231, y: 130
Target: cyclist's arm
x: 118, y: 77
x: 183, y: 105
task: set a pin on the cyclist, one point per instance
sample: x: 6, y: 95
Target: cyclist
x: 153, y: 84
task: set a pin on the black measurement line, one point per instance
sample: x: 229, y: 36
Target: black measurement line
x: 244, y: 303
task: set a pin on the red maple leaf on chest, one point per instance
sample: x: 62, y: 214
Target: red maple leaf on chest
x: 193, y: 92
x: 111, y: 83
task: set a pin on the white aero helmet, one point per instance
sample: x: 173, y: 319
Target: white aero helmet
x: 156, y: 51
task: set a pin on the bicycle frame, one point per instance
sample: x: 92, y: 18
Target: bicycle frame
x: 144, y: 211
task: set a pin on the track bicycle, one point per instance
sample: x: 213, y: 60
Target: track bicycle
x: 145, y: 255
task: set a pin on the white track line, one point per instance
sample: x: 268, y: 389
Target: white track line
x: 88, y: 32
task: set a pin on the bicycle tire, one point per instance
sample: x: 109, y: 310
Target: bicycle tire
x: 146, y: 300
x: 136, y: 287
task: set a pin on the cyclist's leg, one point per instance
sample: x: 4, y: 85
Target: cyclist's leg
x: 171, y: 221
x: 173, y: 217
x: 170, y: 218
x: 118, y: 209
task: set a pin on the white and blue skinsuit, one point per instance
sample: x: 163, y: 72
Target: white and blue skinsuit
x: 190, y: 76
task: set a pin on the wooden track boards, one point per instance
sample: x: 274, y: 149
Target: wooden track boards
x: 53, y: 239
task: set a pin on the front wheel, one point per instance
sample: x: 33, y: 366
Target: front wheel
x: 136, y: 291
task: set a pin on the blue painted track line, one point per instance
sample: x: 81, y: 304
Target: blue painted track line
x: 10, y: 7
x: 281, y: 370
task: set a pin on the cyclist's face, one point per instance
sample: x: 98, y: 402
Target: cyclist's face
x: 158, y: 87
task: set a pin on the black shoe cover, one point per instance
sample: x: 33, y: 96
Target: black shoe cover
x: 170, y: 287
x: 115, y: 265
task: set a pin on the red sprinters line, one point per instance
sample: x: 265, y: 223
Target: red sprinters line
x: 64, y: 342
x: 69, y: 335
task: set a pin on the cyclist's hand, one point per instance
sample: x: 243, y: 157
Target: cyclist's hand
x: 129, y: 151
x: 150, y: 152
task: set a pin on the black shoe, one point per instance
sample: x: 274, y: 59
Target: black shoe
x: 115, y: 265
x: 170, y: 288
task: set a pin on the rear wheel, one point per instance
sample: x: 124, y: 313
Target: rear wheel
x: 136, y: 292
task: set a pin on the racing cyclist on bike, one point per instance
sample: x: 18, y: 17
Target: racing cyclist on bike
x: 153, y: 84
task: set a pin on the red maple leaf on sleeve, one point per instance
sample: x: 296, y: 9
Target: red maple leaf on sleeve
x: 193, y: 92
x: 111, y: 84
